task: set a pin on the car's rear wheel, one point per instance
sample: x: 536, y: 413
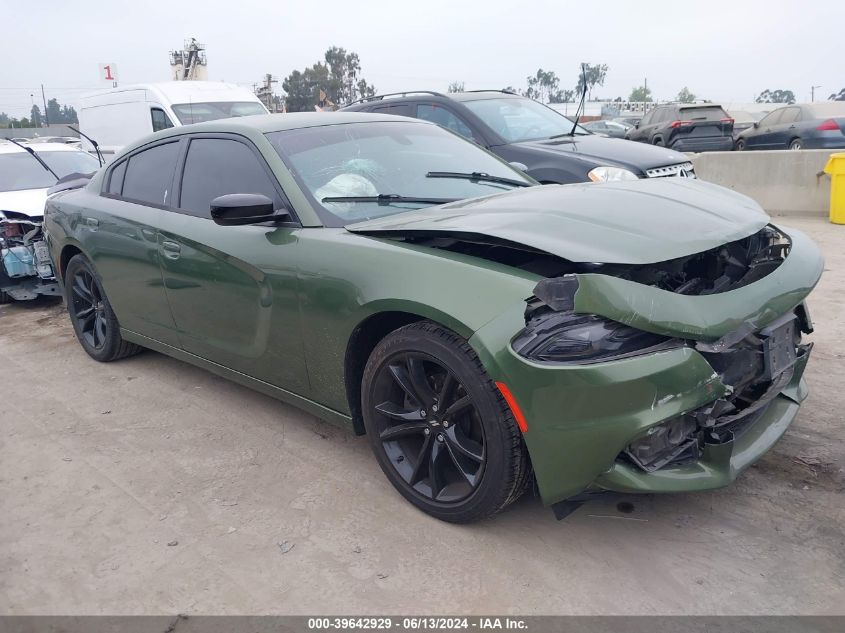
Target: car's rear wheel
x: 440, y: 429
x: 659, y: 142
x: 740, y: 145
x: 91, y: 314
x: 796, y: 144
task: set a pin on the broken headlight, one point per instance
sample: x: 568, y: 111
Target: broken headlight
x: 567, y: 338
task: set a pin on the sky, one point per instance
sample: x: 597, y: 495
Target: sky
x: 723, y: 51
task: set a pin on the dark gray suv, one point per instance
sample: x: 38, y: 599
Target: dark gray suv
x: 521, y: 130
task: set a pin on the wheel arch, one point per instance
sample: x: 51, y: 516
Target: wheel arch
x: 68, y: 252
x: 369, y: 332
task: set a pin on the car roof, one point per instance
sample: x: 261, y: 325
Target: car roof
x: 11, y: 148
x: 266, y: 123
x: 478, y: 95
x: 182, y: 91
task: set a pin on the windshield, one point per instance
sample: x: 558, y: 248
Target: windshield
x: 188, y: 113
x: 396, y: 157
x: 521, y: 119
x: 19, y: 171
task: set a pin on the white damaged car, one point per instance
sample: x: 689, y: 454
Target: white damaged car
x: 27, y: 171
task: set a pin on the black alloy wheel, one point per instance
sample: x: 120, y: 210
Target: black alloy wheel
x: 429, y: 427
x: 91, y: 314
x: 439, y: 427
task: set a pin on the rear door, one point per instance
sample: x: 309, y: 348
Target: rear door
x: 703, y: 122
x: 232, y: 289
x: 121, y: 237
x: 646, y: 126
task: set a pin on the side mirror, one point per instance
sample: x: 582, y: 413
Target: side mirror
x: 236, y: 209
x: 519, y: 166
x: 637, y: 125
x: 756, y: 124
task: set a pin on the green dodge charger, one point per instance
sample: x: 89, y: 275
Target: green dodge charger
x: 486, y: 334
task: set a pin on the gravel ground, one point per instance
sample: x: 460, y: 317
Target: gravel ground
x: 149, y: 486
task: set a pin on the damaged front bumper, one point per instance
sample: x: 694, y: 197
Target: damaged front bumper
x: 584, y: 420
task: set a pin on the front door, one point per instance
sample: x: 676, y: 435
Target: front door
x: 232, y: 289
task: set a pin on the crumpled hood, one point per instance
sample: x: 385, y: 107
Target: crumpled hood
x: 603, y: 150
x: 28, y: 201
x: 635, y: 222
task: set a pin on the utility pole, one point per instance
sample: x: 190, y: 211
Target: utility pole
x: 44, y: 100
x: 813, y: 93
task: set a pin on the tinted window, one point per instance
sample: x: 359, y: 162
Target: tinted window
x: 215, y: 167
x: 149, y: 174
x: 646, y: 120
x: 790, y: 115
x: 116, y: 178
x: 160, y: 120
x: 443, y: 117
x: 400, y: 109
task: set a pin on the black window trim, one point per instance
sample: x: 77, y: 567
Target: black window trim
x: 179, y: 172
x: 104, y: 191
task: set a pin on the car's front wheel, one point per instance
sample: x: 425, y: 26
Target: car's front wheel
x: 440, y: 429
x: 91, y: 313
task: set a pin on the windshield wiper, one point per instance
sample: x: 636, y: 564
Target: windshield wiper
x: 477, y: 175
x: 389, y: 198
x: 35, y: 156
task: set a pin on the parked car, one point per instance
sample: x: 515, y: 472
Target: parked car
x: 117, y: 116
x: 613, y: 129
x: 744, y: 120
x: 631, y: 119
x: 686, y: 128
x: 25, y: 176
x: 388, y: 276
x: 523, y: 131
x: 807, y: 126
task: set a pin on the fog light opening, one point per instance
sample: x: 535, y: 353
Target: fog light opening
x: 670, y: 441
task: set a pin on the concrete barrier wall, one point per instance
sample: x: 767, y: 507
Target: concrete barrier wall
x: 782, y: 181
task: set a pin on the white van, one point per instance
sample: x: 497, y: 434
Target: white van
x: 118, y: 116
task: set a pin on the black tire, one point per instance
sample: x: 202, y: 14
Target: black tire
x: 91, y: 314
x: 796, y: 143
x: 465, y: 469
x: 4, y: 297
x: 740, y: 145
x: 659, y: 142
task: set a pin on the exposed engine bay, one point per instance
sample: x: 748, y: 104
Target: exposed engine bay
x: 26, y: 270
x: 727, y: 267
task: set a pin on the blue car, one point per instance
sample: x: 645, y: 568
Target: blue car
x: 809, y: 126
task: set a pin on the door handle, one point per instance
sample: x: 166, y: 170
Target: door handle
x: 171, y: 250
x: 93, y: 223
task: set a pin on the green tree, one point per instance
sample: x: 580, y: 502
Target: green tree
x: 456, y: 86
x: 594, y: 74
x: 562, y: 96
x: 685, y: 96
x: 511, y: 89
x: 640, y: 93
x: 775, y: 96
x: 338, y: 75
x: 35, y: 116
x: 542, y: 86
x: 838, y: 96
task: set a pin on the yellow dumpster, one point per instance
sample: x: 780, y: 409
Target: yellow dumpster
x: 836, y: 168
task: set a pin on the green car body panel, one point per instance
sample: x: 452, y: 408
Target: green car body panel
x: 278, y: 307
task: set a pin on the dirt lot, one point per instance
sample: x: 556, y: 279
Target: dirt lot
x: 149, y: 486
